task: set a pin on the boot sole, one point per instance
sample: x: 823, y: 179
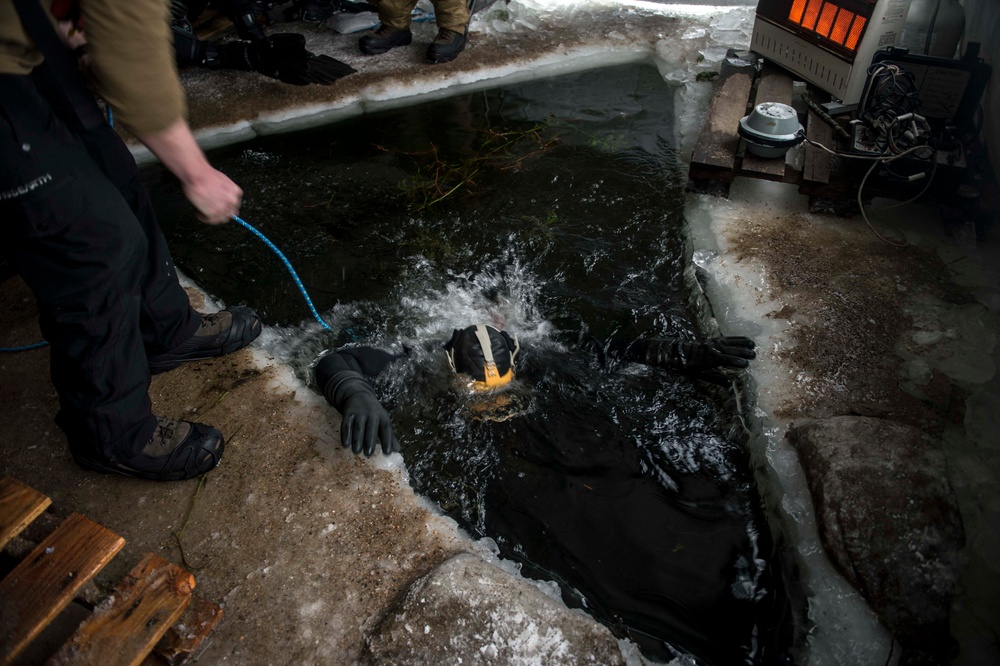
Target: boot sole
x: 442, y: 58
x: 179, y: 475
x: 379, y: 50
x: 441, y: 61
x: 168, y: 361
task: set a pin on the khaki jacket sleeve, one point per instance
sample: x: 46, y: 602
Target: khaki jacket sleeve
x: 132, y: 61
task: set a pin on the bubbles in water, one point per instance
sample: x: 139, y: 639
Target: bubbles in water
x: 258, y: 157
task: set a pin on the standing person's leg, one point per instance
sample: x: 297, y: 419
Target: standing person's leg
x: 167, y: 317
x: 172, y: 331
x: 395, y: 16
x: 79, y: 247
x: 452, y: 17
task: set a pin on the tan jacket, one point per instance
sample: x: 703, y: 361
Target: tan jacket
x: 131, y: 54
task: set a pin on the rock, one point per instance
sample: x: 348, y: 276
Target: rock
x: 467, y: 611
x: 889, y: 520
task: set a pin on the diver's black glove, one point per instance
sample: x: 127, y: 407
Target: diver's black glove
x: 364, y: 419
x: 283, y: 56
x: 695, y: 357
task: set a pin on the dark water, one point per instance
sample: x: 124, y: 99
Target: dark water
x: 560, y: 217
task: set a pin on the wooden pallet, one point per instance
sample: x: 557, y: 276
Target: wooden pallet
x: 150, y: 617
x: 831, y: 182
x: 720, y: 154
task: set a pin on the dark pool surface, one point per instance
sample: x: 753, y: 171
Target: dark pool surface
x: 561, y: 220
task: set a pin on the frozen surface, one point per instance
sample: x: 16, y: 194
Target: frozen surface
x: 846, y: 630
x: 942, y: 337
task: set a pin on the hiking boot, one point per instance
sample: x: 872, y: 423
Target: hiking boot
x: 220, y: 333
x: 177, y: 450
x: 317, y: 11
x: 446, y: 46
x: 383, y: 39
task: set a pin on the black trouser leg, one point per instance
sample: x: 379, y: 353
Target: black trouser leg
x: 166, y: 316
x: 85, y: 241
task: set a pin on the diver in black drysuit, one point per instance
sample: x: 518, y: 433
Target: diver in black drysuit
x: 486, y: 355
x: 566, y: 490
x: 281, y: 56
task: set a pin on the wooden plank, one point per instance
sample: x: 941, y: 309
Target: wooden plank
x: 186, y: 635
x: 816, y: 167
x: 717, y: 142
x: 127, y: 625
x: 19, y: 505
x: 773, y: 85
x: 47, y: 580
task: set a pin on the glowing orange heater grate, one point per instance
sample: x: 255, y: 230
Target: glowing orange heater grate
x: 829, y: 43
x: 829, y: 21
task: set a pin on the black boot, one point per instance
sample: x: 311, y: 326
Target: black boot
x: 383, y: 39
x: 446, y: 46
x: 317, y: 11
x: 177, y: 450
x: 220, y: 333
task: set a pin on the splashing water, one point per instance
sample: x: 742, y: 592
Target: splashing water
x: 618, y: 482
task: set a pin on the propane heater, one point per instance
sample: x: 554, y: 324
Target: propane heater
x: 829, y: 43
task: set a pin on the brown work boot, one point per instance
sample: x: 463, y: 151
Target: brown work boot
x: 220, y: 333
x: 383, y: 39
x: 446, y: 46
x: 177, y: 450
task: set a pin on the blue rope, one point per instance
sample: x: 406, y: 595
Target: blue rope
x: 33, y: 345
x: 288, y: 265
x: 281, y: 255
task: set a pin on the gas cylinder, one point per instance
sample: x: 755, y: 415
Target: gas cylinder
x: 933, y: 27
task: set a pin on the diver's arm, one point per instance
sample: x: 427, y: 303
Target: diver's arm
x: 342, y: 378
x: 370, y: 361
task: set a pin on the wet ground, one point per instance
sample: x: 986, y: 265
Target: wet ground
x: 309, y: 548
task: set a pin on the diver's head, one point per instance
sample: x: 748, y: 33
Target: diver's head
x: 484, y: 353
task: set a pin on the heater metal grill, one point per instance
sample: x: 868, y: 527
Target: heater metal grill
x: 829, y: 21
x: 829, y: 43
